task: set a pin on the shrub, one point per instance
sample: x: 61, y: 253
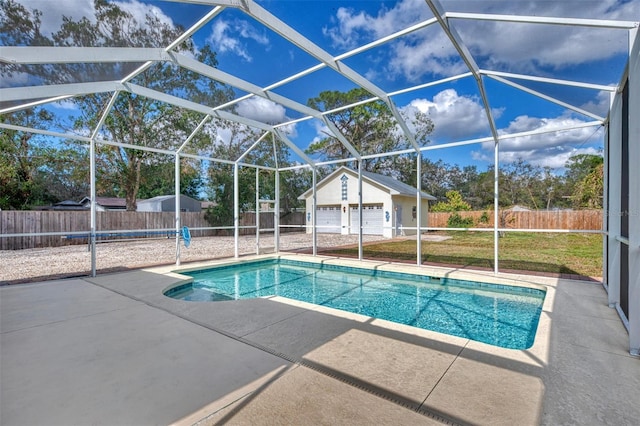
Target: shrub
x: 454, y: 203
x: 484, y: 218
x: 457, y: 221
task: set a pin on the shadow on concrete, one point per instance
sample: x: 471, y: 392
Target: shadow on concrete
x: 445, y: 378
x: 313, y: 339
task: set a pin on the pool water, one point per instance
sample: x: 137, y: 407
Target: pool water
x: 499, y: 315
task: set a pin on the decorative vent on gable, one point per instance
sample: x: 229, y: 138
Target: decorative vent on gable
x: 344, y: 179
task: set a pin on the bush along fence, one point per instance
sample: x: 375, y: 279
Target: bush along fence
x: 146, y: 224
x: 535, y: 219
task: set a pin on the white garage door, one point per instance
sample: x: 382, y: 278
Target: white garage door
x: 372, y: 217
x: 328, y: 219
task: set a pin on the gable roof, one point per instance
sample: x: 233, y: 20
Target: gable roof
x: 394, y: 186
x: 161, y: 198
x: 109, y: 202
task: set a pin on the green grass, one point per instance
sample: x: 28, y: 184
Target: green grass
x: 579, y: 254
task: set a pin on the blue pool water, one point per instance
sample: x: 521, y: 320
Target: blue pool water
x: 499, y: 315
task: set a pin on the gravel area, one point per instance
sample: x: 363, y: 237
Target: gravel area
x: 18, y: 266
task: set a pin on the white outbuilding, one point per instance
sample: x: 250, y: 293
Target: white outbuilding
x: 389, y: 207
x: 167, y: 203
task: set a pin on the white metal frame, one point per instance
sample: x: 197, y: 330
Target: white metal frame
x: 28, y: 97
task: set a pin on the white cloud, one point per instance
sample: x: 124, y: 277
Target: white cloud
x: 413, y: 58
x: 262, y: 109
x: 266, y: 111
x: 139, y: 10
x: 598, y: 105
x: 552, y: 158
x: 66, y: 104
x: 16, y: 79
x: 53, y: 11
x: 506, y: 46
x: 231, y: 37
x: 352, y: 27
x: 551, y: 149
x: 321, y: 132
x: 552, y: 138
x: 453, y: 115
x: 223, y: 135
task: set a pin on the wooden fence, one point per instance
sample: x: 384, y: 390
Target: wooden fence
x: 536, y: 219
x: 33, y: 222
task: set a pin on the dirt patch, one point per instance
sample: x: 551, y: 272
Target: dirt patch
x: 19, y: 266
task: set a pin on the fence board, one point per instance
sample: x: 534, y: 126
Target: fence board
x: 535, y: 219
x: 14, y: 222
x: 21, y: 222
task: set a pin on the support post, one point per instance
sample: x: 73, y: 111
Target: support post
x: 419, y: 209
x: 92, y: 177
x: 92, y: 172
x: 613, y: 212
x: 634, y: 192
x: 257, y: 210
x: 236, y: 212
x: 605, y: 208
x: 360, y: 251
x: 314, y: 232
x: 496, y: 205
x: 276, y: 214
x: 177, y: 206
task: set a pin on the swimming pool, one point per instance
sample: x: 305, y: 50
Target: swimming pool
x: 499, y: 315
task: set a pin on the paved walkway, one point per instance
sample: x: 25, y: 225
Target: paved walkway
x: 113, y: 350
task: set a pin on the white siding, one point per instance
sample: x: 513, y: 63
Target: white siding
x: 408, y: 222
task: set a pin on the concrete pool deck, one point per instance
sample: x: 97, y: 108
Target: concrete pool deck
x: 114, y: 350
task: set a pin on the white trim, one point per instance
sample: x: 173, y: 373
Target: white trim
x: 546, y: 97
x: 73, y: 55
x: 550, y: 80
x: 576, y: 22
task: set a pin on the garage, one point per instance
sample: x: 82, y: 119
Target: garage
x: 389, y: 206
x: 328, y: 219
x: 372, y: 218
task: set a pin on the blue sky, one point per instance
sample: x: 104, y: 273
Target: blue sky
x: 252, y: 52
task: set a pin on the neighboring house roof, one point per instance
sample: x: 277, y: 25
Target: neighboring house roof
x: 112, y: 202
x: 207, y: 204
x: 68, y: 205
x: 107, y: 202
x: 161, y: 198
x: 518, y: 208
x: 394, y: 186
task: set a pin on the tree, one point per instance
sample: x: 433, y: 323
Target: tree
x: 435, y: 177
x: 65, y: 173
x: 454, y: 203
x: 485, y: 189
x: 159, y: 179
x: 133, y: 120
x: 581, y: 165
x: 21, y: 183
x: 584, y: 181
x: 293, y: 183
x: 220, y: 186
x: 551, y: 189
x: 370, y: 127
x: 588, y: 192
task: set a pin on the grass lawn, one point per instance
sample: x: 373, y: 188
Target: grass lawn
x: 579, y: 254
